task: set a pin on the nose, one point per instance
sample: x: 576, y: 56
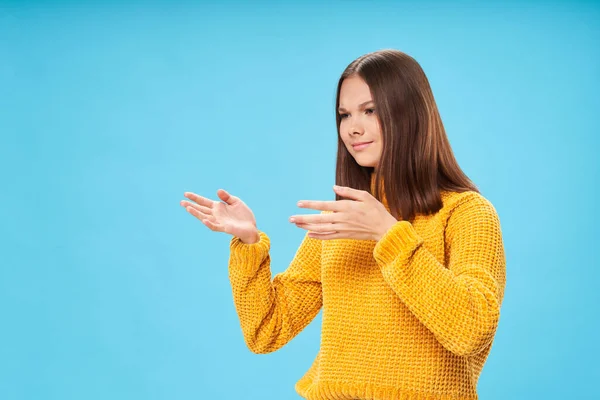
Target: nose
x: 355, y: 128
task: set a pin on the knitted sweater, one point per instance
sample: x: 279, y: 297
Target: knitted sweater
x: 410, y: 316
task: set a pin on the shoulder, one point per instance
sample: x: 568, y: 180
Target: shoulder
x: 468, y: 206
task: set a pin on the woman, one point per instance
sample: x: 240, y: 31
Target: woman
x: 408, y: 262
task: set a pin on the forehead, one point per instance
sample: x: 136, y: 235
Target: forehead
x: 354, y: 90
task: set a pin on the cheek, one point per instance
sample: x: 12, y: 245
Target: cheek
x: 376, y: 129
x: 342, y: 136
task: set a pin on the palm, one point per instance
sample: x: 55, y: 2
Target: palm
x: 236, y: 218
x: 231, y: 215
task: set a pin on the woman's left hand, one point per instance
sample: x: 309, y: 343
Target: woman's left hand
x: 362, y: 217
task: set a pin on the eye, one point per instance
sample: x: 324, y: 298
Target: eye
x: 342, y: 116
x: 370, y: 110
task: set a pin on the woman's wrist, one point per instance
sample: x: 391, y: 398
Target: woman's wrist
x: 386, y: 226
x: 254, y: 238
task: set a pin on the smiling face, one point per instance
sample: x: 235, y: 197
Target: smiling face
x: 359, y: 122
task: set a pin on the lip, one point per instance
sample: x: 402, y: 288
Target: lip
x: 361, y: 145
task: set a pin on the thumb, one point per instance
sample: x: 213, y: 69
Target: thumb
x: 226, y: 197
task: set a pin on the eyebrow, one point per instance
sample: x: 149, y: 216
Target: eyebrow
x: 359, y: 106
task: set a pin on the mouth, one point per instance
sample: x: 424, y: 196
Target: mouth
x: 360, y: 146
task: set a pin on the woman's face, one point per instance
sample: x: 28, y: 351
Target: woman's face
x: 359, y: 122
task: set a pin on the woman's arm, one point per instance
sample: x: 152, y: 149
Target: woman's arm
x: 459, y: 303
x: 272, y: 313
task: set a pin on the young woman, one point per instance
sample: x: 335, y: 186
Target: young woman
x: 407, y: 263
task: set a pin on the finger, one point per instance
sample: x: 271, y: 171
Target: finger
x: 351, y: 193
x: 203, y: 201
x: 226, y: 197
x: 335, y: 205
x: 208, y: 220
x: 205, y: 210
x: 322, y: 228
x: 198, y: 214
x: 327, y: 236
x: 212, y: 225
x: 316, y: 218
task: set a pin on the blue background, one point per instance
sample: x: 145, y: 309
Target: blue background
x: 109, y: 112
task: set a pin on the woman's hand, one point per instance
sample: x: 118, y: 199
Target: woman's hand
x: 362, y: 217
x: 231, y: 215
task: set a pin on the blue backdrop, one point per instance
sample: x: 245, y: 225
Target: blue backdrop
x: 109, y: 112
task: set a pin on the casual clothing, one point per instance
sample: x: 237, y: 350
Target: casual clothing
x: 411, y: 316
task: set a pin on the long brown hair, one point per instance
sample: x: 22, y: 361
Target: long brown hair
x: 417, y: 162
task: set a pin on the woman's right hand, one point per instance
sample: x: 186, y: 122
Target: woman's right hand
x: 231, y: 215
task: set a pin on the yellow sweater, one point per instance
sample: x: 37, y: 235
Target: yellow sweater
x: 411, y: 316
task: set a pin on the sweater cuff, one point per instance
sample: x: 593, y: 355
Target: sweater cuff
x: 247, y: 257
x: 400, y: 240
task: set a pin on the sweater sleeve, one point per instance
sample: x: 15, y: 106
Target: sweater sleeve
x: 273, y: 312
x: 458, y: 302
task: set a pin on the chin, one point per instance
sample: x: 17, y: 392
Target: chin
x: 368, y: 163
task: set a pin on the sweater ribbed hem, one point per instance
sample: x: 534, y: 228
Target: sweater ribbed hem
x: 329, y: 390
x: 247, y: 257
x: 400, y: 240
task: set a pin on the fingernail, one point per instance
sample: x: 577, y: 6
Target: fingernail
x: 300, y: 204
x: 292, y: 219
